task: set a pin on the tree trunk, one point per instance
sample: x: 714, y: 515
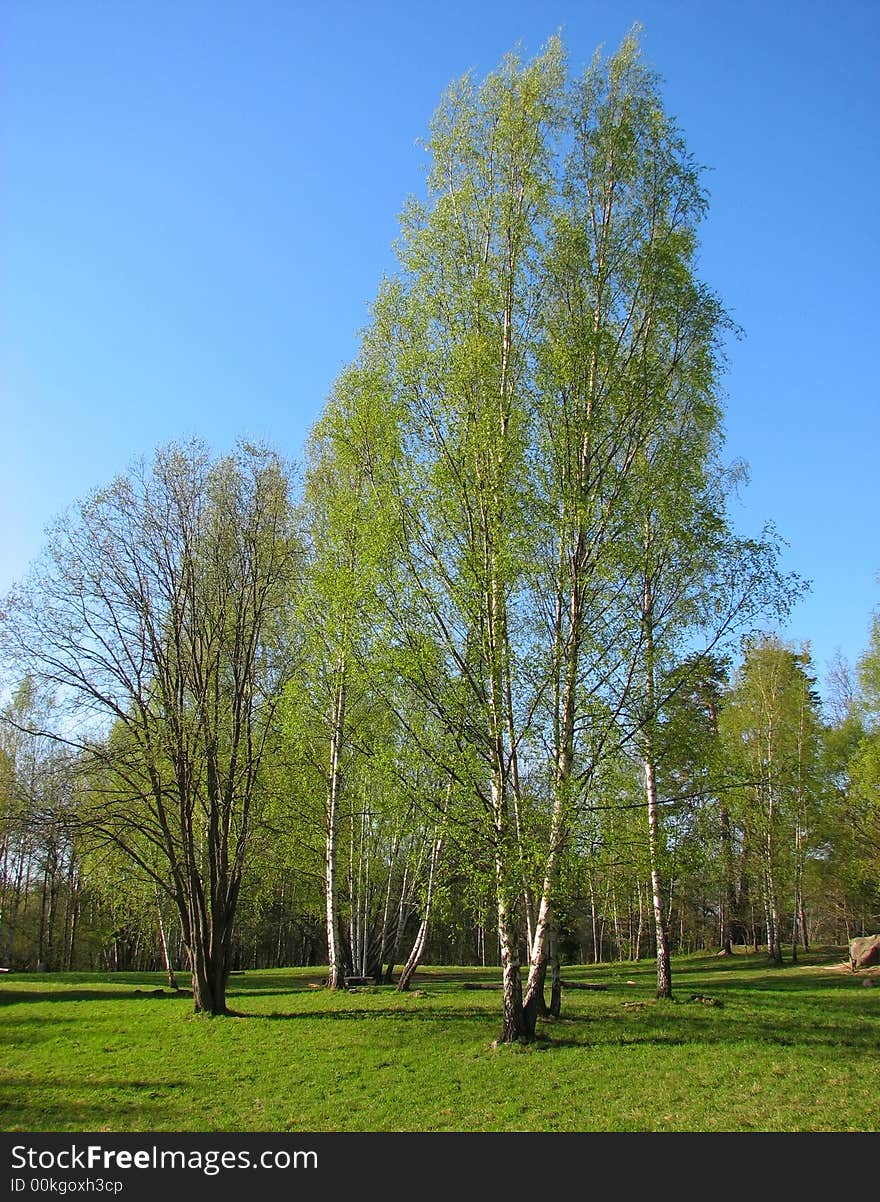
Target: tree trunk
x: 555, y: 976
x: 418, y: 948
x: 615, y: 920
x: 774, y: 913
x: 44, y: 914
x: 594, y: 919
x: 728, y: 894
x: 385, y: 939
x: 402, y: 919
x: 364, y: 885
x: 72, y: 930
x: 516, y: 1027
x: 534, y: 1002
x: 207, y: 938
x: 534, y: 995
x: 172, y: 980
x: 664, y: 967
x: 640, y: 933
x: 776, y: 921
x: 210, y: 966
x: 210, y: 975
x: 280, y: 942
x: 12, y: 920
x: 336, y: 970
x: 774, y: 917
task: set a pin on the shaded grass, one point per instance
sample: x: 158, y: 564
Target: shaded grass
x: 791, y: 1049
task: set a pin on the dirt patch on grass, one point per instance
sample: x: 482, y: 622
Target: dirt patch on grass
x: 843, y: 969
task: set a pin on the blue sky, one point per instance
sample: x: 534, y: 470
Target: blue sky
x: 199, y: 200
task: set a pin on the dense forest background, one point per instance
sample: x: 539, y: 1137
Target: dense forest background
x: 490, y: 677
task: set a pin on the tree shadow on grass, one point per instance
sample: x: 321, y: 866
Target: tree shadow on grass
x: 782, y: 980
x: 255, y: 987
x: 839, y: 1029
x: 23, y: 1109
x: 362, y: 1014
x: 487, y: 1022
x: 12, y: 996
x: 29, y: 1083
x: 234, y: 994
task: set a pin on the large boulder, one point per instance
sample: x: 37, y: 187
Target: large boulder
x: 864, y: 951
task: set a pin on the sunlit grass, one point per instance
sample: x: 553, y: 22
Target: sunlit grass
x: 791, y: 1049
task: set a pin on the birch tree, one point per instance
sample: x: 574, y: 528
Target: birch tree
x: 458, y: 327
x: 545, y: 339
x: 627, y: 322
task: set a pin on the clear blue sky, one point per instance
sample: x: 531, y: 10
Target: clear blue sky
x: 199, y: 199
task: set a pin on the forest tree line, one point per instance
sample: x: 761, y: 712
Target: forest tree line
x: 490, y: 677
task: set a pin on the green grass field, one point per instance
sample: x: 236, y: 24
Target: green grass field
x: 791, y: 1049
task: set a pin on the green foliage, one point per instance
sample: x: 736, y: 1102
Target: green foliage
x: 869, y: 674
x: 854, y: 748
x: 772, y: 742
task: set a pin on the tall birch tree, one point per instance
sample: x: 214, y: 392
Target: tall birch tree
x: 459, y: 327
x: 626, y: 321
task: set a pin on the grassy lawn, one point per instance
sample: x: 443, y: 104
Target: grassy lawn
x: 791, y: 1049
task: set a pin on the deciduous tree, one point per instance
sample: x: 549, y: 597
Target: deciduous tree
x: 157, y: 618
